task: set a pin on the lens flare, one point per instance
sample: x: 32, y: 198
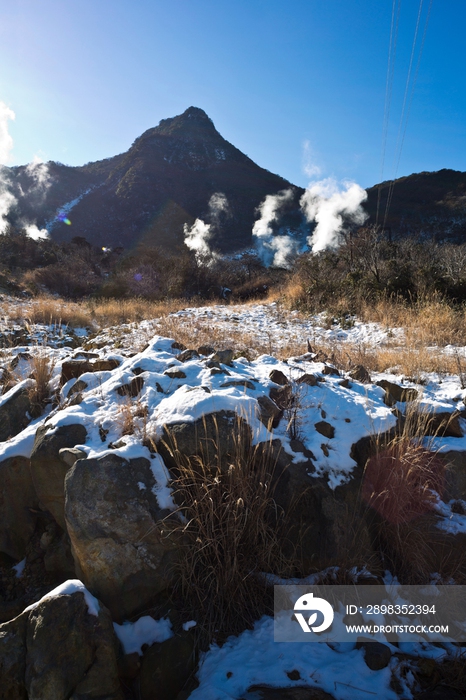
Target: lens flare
x: 61, y: 216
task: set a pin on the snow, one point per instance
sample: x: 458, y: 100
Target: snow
x: 146, y: 630
x: 69, y: 588
x: 189, y: 625
x: 254, y: 658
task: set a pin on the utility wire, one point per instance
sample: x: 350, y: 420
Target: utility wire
x: 409, y: 90
x: 396, y: 6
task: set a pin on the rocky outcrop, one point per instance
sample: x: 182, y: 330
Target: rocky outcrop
x: 49, y: 470
x: 18, y: 501
x: 59, y: 650
x: 395, y: 393
x: 73, y: 369
x: 15, y: 412
x: 325, y: 526
x: 214, y: 438
x: 123, y: 548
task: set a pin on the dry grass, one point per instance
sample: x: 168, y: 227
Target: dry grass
x: 41, y: 371
x: 402, y: 482
x: 231, y: 534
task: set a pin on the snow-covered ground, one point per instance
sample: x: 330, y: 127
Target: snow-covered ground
x: 352, y: 408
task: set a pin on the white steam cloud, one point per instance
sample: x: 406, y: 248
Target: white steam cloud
x: 36, y: 233
x: 329, y: 206
x: 273, y: 250
x: 6, y: 141
x: 198, y: 237
x: 37, y: 171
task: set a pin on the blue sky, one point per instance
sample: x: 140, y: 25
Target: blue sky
x: 86, y: 77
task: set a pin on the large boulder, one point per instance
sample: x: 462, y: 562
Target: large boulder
x: 214, y: 438
x: 59, y: 650
x: 18, y: 500
x: 455, y: 474
x: 49, y: 470
x: 13, y: 659
x: 123, y: 549
x: 15, y: 412
x: 325, y: 527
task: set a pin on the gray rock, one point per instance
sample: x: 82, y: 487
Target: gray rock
x: 206, y: 350
x: 78, y: 386
x: 325, y: 429
x: 72, y: 369
x: 330, y: 370
x: 187, y: 355
x: 17, y: 498
x: 395, y: 393
x: 123, y: 550
x: 278, y: 377
x: 13, y: 659
x: 213, y: 437
x: 269, y: 413
x: 70, y: 455
x: 309, y: 379
x: 175, y: 373
x: 224, y: 357
x: 376, y: 654
x: 360, y: 374
x: 48, y: 470
x: 132, y: 389
x: 246, y: 383
x: 70, y: 652
x: 15, y: 413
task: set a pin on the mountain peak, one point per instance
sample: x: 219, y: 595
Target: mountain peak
x: 193, y: 119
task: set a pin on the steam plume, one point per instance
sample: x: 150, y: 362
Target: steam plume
x: 198, y: 236
x: 327, y: 205
x: 7, y: 200
x: 39, y: 172
x: 273, y: 250
x: 36, y: 233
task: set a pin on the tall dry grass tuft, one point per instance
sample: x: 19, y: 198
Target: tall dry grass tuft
x: 402, y: 483
x: 42, y: 367
x: 231, y: 534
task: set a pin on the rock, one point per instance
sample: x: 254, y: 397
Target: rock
x: 72, y: 369
x: 264, y: 692
x: 325, y: 526
x: 239, y: 382
x: 48, y: 470
x: 187, y: 355
x: 70, y: 653
x: 224, y: 357
x: 269, y: 413
x: 13, y: 659
x: 360, y: 374
x: 58, y: 559
x: 445, y: 425
x: 376, y: 654
x: 325, y: 429
x: 15, y: 412
x: 455, y: 475
x: 278, y: 377
x: 175, y: 374
x: 345, y: 383
x: 282, y: 396
x: 213, y: 437
x: 166, y: 667
x: 178, y: 346
x: 217, y: 370
x: 329, y: 369
x: 309, y: 379
x: 70, y: 455
x: 132, y: 389
x: 77, y: 387
x: 17, y: 498
x: 206, y: 350
x: 76, y: 400
x: 122, y: 549
x: 395, y: 393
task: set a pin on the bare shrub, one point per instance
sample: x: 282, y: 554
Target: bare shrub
x: 41, y: 371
